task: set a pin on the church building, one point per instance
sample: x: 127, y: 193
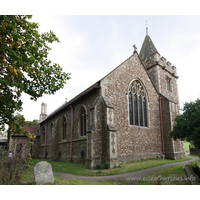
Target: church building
x: 125, y: 116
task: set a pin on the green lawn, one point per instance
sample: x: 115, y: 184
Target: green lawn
x: 28, y: 179
x: 171, y: 176
x: 81, y: 169
x: 186, y: 145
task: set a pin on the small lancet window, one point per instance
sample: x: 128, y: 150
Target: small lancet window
x: 137, y: 104
x: 64, y: 128
x: 43, y: 135
x: 83, y: 122
x: 169, y: 84
x: 51, y: 130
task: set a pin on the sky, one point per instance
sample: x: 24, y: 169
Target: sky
x: 97, y: 36
x: 93, y: 45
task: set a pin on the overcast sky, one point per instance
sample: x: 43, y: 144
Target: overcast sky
x: 93, y: 45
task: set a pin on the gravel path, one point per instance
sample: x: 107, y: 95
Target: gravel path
x: 126, y: 176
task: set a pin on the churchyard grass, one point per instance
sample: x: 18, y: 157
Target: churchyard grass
x: 81, y: 169
x: 174, y: 175
x: 186, y: 146
x: 195, y: 155
x: 28, y: 179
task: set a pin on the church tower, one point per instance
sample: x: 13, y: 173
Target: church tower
x: 164, y: 77
x: 43, y: 114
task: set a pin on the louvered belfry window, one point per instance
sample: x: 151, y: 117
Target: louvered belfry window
x: 137, y: 104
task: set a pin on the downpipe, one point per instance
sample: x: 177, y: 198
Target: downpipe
x: 71, y: 131
x: 161, y: 127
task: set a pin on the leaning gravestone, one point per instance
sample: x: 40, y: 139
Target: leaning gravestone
x: 190, y: 173
x: 43, y: 173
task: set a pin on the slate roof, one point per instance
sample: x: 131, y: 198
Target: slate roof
x: 148, y: 48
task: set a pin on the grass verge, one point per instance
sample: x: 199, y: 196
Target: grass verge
x: 171, y: 176
x: 28, y: 179
x: 81, y: 169
x: 186, y: 146
x: 28, y: 175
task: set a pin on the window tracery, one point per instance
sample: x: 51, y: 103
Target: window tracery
x: 137, y: 104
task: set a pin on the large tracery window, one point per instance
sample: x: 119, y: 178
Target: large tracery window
x: 137, y: 104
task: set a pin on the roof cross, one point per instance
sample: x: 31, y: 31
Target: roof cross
x: 135, y: 48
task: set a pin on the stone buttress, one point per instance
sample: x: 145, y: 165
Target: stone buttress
x: 101, y: 137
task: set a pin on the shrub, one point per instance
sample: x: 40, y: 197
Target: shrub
x: 195, y: 168
x: 11, y: 169
x: 102, y: 166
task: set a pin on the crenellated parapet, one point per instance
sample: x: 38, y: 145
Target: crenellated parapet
x: 159, y: 60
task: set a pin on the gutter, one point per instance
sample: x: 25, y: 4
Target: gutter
x: 161, y: 127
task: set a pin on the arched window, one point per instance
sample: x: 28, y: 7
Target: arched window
x: 82, y: 120
x: 43, y: 135
x: 51, y: 131
x: 137, y: 104
x: 19, y: 150
x: 64, y: 128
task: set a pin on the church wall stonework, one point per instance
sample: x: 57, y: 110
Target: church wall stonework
x: 109, y: 135
x: 133, y: 142
x: 59, y: 149
x: 161, y: 71
x: 18, y: 140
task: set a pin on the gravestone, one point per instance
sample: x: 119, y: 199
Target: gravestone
x: 43, y: 173
x: 190, y: 174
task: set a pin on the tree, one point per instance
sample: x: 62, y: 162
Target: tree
x: 187, y: 125
x: 24, y: 67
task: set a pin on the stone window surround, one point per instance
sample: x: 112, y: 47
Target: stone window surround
x: 43, y: 135
x: 18, y: 148
x: 147, y: 104
x: 169, y: 84
x: 51, y: 129
x: 62, y: 129
x: 79, y: 125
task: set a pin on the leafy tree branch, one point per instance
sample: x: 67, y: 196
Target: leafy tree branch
x: 25, y: 67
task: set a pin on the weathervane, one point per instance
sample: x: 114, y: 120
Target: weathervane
x: 146, y: 28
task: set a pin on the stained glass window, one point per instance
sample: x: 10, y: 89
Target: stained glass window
x: 130, y: 108
x: 136, y: 109
x: 137, y: 104
x: 145, y: 111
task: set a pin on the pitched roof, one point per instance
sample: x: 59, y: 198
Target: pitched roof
x: 32, y: 130
x: 148, y: 48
